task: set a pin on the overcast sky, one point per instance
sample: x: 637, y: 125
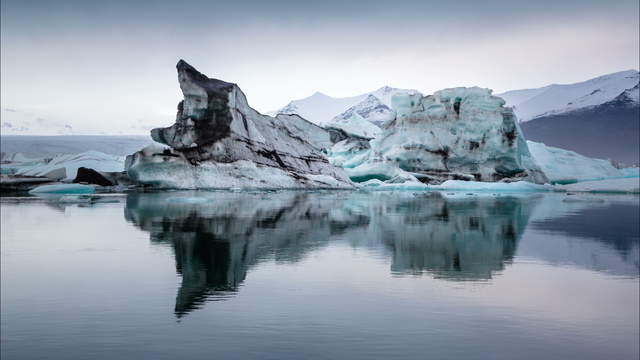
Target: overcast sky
x: 109, y: 66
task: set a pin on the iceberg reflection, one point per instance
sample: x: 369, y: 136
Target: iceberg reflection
x: 217, y: 237
x: 457, y: 239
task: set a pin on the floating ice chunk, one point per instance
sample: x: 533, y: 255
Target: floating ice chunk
x: 620, y: 185
x: 518, y: 186
x: 565, y: 166
x: 376, y: 184
x: 64, y: 189
x: 90, y: 159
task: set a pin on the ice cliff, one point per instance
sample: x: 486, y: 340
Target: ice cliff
x: 459, y: 133
x: 219, y: 141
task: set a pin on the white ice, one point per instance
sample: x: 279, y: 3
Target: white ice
x: 565, y: 166
x: 90, y: 159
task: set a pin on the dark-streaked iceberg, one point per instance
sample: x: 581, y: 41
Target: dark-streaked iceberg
x: 219, y: 141
x: 454, y: 134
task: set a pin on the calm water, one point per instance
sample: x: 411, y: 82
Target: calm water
x: 322, y: 275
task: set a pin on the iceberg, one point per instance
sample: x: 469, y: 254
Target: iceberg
x: 454, y: 134
x: 72, y: 162
x: 219, y: 141
x: 565, y: 166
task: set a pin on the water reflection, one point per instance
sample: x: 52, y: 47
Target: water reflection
x: 457, y: 239
x: 596, y: 232
x: 218, y: 237
x: 614, y: 224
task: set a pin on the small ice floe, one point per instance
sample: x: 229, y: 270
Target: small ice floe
x: 64, y: 189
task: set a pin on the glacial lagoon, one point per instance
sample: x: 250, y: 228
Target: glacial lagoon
x: 321, y: 275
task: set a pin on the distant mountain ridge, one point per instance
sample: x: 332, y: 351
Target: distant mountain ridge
x: 556, y: 99
x: 321, y: 109
x: 607, y: 131
x: 598, y: 118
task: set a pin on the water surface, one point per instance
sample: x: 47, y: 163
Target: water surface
x: 326, y: 275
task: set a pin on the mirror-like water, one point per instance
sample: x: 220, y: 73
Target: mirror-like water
x: 290, y: 275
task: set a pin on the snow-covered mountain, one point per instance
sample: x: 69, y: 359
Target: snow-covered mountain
x: 364, y: 118
x: 323, y: 109
x: 371, y: 109
x: 557, y: 99
x: 598, y: 118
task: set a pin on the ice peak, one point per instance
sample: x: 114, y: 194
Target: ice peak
x: 184, y: 66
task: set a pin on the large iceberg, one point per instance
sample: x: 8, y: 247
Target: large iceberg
x: 459, y: 134
x: 219, y: 141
